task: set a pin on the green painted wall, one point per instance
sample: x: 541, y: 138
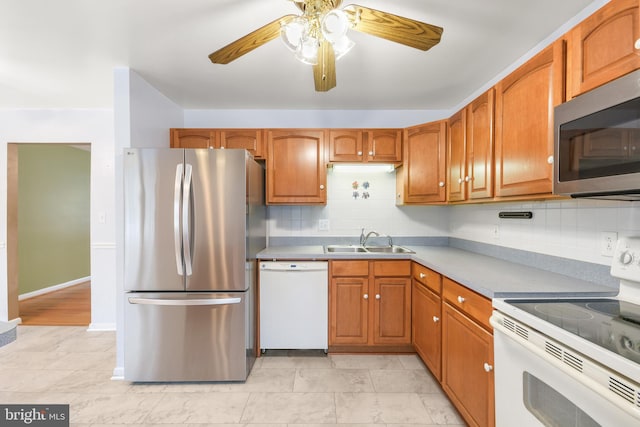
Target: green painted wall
x: 53, y: 215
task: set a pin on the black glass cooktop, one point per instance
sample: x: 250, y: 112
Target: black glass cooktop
x: 609, y: 323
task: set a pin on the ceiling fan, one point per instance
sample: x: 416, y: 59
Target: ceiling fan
x: 319, y: 35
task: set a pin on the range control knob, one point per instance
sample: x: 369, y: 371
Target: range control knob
x: 626, y: 258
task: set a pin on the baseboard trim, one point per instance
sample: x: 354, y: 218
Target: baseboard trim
x: 53, y: 288
x: 118, y: 374
x: 101, y: 327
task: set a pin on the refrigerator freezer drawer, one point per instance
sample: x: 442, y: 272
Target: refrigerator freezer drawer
x: 188, y: 336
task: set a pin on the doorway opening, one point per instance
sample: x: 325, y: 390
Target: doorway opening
x: 48, y: 233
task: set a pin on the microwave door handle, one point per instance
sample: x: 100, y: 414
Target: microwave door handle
x: 177, y: 238
x: 185, y: 302
x: 187, y: 199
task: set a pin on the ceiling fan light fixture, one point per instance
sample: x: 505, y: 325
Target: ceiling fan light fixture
x: 307, y: 52
x: 334, y: 25
x: 342, y: 46
x: 293, y: 32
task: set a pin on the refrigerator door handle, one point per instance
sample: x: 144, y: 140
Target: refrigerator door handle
x: 176, y: 219
x: 184, y: 302
x: 186, y: 218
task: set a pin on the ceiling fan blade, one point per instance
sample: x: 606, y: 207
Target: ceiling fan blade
x: 396, y: 28
x: 324, y: 72
x: 246, y: 44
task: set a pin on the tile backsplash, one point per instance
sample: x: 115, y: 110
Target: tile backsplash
x: 563, y: 228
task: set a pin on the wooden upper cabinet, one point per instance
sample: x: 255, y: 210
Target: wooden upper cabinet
x: 383, y: 145
x: 296, y: 168
x: 480, y: 146
x: 345, y: 145
x: 250, y: 139
x: 457, y: 158
x: 421, y: 178
x: 524, y: 124
x: 193, y: 138
x: 356, y: 145
x: 602, y: 47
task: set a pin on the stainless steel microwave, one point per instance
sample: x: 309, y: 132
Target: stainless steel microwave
x: 597, y: 142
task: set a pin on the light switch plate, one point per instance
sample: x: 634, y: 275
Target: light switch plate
x: 323, y: 225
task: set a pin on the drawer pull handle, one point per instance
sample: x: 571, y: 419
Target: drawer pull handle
x: 377, y: 296
x: 436, y: 319
x: 460, y: 299
x: 488, y: 368
x: 366, y: 296
x: 422, y: 275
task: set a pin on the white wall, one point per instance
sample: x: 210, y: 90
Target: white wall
x: 569, y: 229
x: 71, y: 126
x: 143, y: 118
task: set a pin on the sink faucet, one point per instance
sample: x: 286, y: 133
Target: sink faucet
x: 363, y: 238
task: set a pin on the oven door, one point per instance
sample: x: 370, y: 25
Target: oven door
x: 533, y: 391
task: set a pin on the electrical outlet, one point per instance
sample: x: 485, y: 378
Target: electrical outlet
x: 608, y: 241
x: 323, y: 225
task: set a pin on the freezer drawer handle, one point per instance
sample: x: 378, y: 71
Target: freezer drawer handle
x: 182, y: 302
x: 176, y: 219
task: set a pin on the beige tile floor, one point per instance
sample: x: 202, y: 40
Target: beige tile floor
x: 68, y: 365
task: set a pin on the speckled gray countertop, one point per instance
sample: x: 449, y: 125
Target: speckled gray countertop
x: 489, y: 276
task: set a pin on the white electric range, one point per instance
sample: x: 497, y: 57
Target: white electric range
x: 571, y: 361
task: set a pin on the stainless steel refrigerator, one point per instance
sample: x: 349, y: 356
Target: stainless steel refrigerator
x: 194, y: 221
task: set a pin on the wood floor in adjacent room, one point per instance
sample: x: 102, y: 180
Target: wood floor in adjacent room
x: 67, y: 307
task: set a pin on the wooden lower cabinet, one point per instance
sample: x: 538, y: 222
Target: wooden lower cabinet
x: 467, y: 355
x: 426, y: 318
x: 370, y: 305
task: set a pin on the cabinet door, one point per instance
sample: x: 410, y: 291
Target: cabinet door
x: 296, y: 170
x: 348, y: 310
x: 524, y: 124
x: 480, y: 146
x: 345, y: 146
x: 249, y: 139
x: 383, y: 145
x: 421, y: 179
x: 601, y: 48
x: 426, y: 330
x: 467, y: 367
x: 392, y: 311
x: 193, y: 138
x: 456, y: 164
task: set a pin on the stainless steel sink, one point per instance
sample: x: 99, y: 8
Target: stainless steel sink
x: 344, y: 248
x: 394, y: 249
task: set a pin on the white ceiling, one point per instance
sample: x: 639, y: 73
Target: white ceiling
x: 61, y: 53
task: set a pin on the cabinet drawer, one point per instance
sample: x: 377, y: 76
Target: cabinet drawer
x: 391, y: 268
x: 474, y: 305
x: 427, y: 277
x: 350, y: 268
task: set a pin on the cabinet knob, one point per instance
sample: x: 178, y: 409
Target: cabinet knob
x: 377, y: 296
x: 637, y: 44
x: 550, y: 160
x: 466, y: 178
x: 487, y: 367
x: 436, y: 319
x: 460, y: 180
x: 371, y: 153
x: 460, y: 299
x: 441, y: 184
x: 322, y: 186
x: 366, y: 296
x: 359, y: 153
x: 422, y: 275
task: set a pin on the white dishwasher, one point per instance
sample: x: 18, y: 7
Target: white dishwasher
x: 294, y: 305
